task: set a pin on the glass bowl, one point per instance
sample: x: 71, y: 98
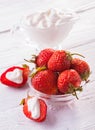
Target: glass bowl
x: 50, y: 36
x: 52, y: 100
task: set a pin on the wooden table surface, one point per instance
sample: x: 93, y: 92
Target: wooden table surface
x: 80, y: 115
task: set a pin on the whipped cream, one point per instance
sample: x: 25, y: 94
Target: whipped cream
x: 49, y: 18
x: 34, y: 107
x: 15, y: 76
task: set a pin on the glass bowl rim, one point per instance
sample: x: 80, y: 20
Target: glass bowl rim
x: 60, y: 97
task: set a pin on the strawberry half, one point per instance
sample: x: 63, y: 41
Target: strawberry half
x: 15, y: 76
x: 81, y: 67
x: 39, y: 108
x: 69, y: 81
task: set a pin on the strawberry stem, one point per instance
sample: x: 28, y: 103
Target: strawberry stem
x: 41, y: 68
x: 77, y: 54
x: 87, y: 81
x: 32, y: 60
x: 73, y: 90
x: 69, y: 55
x: 75, y: 94
x: 38, y: 69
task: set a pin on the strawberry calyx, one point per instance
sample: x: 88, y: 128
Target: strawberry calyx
x: 32, y: 60
x: 22, y: 101
x: 26, y: 69
x: 85, y: 76
x: 69, y: 55
x: 38, y: 69
x: 25, y: 66
x: 73, y: 90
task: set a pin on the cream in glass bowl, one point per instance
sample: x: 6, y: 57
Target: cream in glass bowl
x: 48, y: 28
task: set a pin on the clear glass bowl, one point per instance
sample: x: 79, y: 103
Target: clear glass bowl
x: 52, y: 100
x: 51, y: 36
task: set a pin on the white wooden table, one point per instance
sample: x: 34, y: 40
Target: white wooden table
x: 80, y: 115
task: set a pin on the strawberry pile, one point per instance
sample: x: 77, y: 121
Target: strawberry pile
x: 56, y: 72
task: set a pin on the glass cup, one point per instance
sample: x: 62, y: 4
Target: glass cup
x: 49, y: 37
x: 53, y: 101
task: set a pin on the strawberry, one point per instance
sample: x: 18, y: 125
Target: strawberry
x: 59, y: 61
x: 69, y: 81
x: 42, y: 58
x: 45, y: 81
x: 81, y: 67
x: 34, y: 108
x: 15, y: 76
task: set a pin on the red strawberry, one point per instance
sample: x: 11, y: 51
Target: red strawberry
x: 59, y: 61
x: 69, y: 81
x: 44, y: 56
x: 45, y: 81
x: 81, y: 67
x: 15, y: 76
x: 41, y: 107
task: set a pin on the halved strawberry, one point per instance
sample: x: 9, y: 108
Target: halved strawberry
x: 15, y: 76
x: 42, y: 109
